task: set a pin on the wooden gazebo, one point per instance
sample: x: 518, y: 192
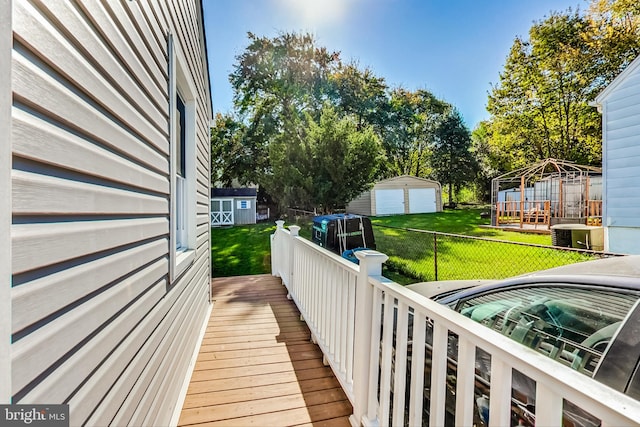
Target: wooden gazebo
x: 547, y: 193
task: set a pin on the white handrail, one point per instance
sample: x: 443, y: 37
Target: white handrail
x: 355, y: 315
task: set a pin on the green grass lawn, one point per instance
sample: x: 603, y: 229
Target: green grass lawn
x: 241, y: 250
x: 412, y: 254
x: 244, y: 250
x: 460, y: 221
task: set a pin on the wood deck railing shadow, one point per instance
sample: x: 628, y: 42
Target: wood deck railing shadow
x: 257, y: 365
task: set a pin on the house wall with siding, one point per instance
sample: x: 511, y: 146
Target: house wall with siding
x: 96, y: 320
x: 365, y: 204
x: 620, y: 106
x: 5, y: 206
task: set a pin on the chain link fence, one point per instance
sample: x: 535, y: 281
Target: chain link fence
x: 420, y: 256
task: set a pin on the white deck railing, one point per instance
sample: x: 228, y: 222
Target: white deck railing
x: 344, y: 304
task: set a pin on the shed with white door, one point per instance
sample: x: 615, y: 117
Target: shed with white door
x: 233, y: 206
x: 398, y: 196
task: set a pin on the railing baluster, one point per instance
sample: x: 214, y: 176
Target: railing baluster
x: 548, y: 406
x: 417, y: 368
x: 374, y: 356
x: 500, y: 394
x: 334, y: 296
x: 351, y: 311
x: 438, y: 375
x: 465, y: 382
x: 333, y: 317
x: 400, y: 378
x: 386, y: 359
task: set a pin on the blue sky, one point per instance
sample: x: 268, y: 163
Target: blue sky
x: 453, y: 48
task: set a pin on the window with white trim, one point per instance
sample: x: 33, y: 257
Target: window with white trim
x: 182, y: 124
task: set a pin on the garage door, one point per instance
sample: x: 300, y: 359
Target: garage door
x: 389, y: 202
x: 422, y: 200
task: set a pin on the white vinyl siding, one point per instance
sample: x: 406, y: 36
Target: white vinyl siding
x: 422, y: 200
x: 97, y: 319
x: 620, y: 104
x: 5, y: 206
x: 389, y: 202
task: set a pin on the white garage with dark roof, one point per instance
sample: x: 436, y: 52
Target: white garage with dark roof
x: 398, y: 196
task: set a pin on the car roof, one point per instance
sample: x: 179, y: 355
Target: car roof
x: 616, y: 272
x: 623, y: 266
x: 445, y: 287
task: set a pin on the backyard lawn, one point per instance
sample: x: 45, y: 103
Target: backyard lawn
x: 244, y: 250
x: 241, y: 250
x: 459, y: 221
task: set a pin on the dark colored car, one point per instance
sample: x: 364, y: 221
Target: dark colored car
x: 585, y: 316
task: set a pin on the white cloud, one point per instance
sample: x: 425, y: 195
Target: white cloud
x: 314, y: 14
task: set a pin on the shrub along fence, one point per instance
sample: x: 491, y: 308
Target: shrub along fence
x: 419, y: 255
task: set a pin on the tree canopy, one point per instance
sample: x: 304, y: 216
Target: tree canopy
x: 314, y: 131
x: 540, y: 107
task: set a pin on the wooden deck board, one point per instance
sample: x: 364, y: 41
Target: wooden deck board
x: 256, y: 365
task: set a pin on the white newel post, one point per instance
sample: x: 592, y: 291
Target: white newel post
x: 276, y: 249
x: 294, y: 230
x: 370, y: 265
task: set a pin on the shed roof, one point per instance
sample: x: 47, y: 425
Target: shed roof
x: 233, y: 192
x: 395, y: 178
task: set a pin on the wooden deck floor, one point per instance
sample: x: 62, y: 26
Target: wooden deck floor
x: 257, y: 365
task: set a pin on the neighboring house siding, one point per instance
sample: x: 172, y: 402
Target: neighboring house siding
x: 620, y: 106
x: 96, y: 320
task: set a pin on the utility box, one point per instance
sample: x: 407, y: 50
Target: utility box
x: 342, y: 232
x: 588, y: 237
x: 562, y: 234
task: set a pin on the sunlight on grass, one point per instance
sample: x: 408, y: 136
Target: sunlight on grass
x: 245, y: 250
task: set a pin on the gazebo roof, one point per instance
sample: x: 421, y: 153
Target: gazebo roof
x: 548, y: 167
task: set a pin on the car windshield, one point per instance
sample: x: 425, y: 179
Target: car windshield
x: 569, y: 324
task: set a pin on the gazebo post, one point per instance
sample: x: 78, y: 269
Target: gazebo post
x: 521, y: 200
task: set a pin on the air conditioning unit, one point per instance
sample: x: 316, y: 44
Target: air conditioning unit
x: 589, y: 237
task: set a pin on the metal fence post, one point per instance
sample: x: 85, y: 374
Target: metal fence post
x: 370, y: 265
x: 435, y: 255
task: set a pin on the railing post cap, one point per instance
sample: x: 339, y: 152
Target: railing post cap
x: 294, y: 229
x: 371, y: 256
x: 280, y: 223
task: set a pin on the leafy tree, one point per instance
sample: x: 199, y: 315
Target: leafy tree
x: 276, y: 81
x: 361, y: 94
x: 540, y: 108
x: 324, y: 163
x: 411, y: 128
x: 276, y: 77
x: 230, y: 157
x: 489, y: 161
x: 614, y: 36
x: 453, y: 161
